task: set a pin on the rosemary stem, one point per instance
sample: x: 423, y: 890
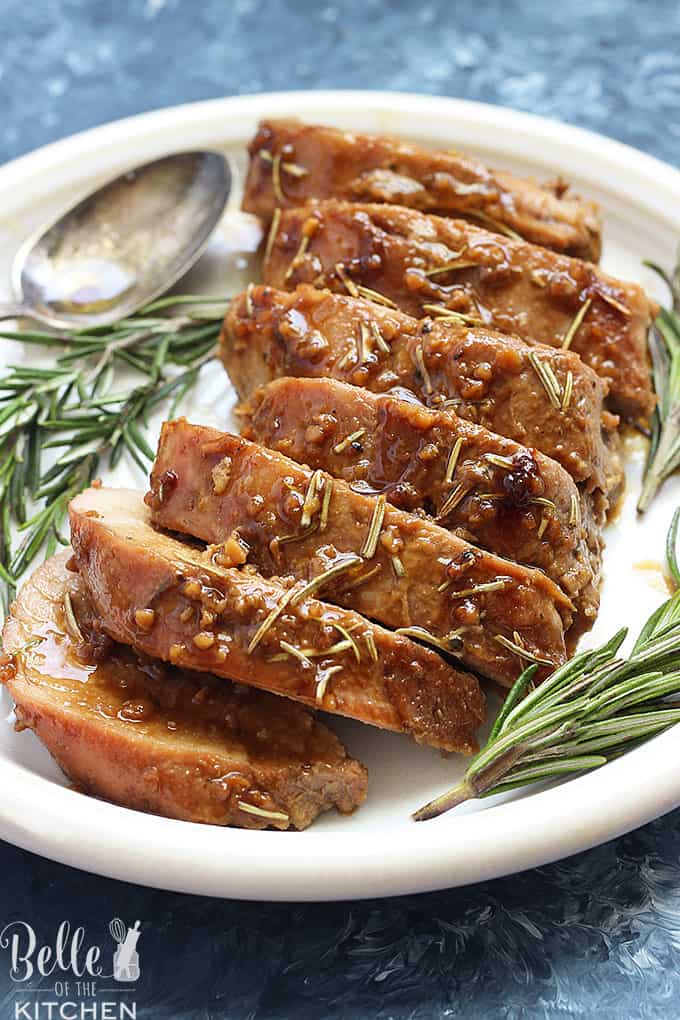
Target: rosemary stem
x: 655, y: 472
x: 471, y: 786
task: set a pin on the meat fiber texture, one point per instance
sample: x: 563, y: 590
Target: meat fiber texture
x: 314, y: 162
x: 484, y: 376
x: 155, y: 738
x: 432, y: 265
x: 209, y: 611
x: 485, y: 488
x: 389, y: 565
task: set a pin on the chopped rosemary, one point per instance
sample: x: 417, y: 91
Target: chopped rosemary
x: 595, y: 707
x: 348, y: 637
x: 444, y: 313
x: 350, y: 285
x: 496, y: 225
x: 270, y: 619
x: 576, y: 324
x: 449, y: 267
x: 297, y: 653
x: 452, y: 462
x: 364, y: 342
x: 449, y: 643
x: 326, y: 503
x: 543, y: 501
x: 362, y: 578
x: 276, y: 179
x: 498, y: 460
x: 369, y: 638
x: 380, y: 340
x: 375, y: 296
x: 398, y: 567
x: 294, y: 169
x: 618, y: 305
x: 311, y: 503
x: 567, y: 390
x: 272, y: 816
x: 273, y: 231
x: 486, y: 586
x: 419, y: 355
x: 574, y: 510
x: 547, y: 379
x: 373, y: 534
x: 297, y: 257
x: 663, y: 458
x: 348, y: 440
x: 322, y: 682
x: 348, y: 356
x: 351, y: 560
x: 545, y: 521
x: 454, y: 498
x: 520, y: 650
x: 311, y: 653
x: 297, y: 536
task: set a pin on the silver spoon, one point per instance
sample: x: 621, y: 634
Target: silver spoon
x: 123, y: 245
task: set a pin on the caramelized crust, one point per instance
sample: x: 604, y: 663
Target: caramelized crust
x: 212, y: 617
x: 486, y: 489
x: 321, y: 162
x: 413, y: 574
x: 486, y: 377
x: 159, y: 739
x: 418, y: 261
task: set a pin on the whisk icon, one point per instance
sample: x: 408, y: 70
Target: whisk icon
x: 125, y: 957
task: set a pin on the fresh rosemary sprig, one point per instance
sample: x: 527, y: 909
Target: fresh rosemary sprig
x: 664, y: 346
x: 92, y: 401
x: 589, y: 711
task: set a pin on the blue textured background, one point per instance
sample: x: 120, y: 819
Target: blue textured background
x: 594, y: 936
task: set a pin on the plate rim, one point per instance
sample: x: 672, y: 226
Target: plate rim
x: 502, y: 839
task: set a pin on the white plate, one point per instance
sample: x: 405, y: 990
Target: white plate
x: 378, y: 851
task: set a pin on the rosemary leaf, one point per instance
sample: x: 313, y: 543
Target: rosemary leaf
x: 664, y: 347
x: 587, y: 712
x: 76, y: 401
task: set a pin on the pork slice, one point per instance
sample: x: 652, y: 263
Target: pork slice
x: 487, y: 377
x: 421, y: 263
x: 487, y: 489
x: 321, y: 162
x: 156, y: 738
x: 392, y: 566
x: 175, y: 602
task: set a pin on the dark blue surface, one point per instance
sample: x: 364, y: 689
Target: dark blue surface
x: 594, y: 936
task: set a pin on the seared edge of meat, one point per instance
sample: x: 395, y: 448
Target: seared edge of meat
x: 421, y: 262
x: 487, y: 489
x: 192, y: 608
x: 485, y: 376
x: 154, y: 738
x: 315, y: 162
x: 390, y: 565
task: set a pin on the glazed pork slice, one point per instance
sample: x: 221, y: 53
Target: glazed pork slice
x: 175, y: 602
x: 357, y: 550
x: 314, y: 162
x: 155, y: 738
x: 432, y: 265
x: 485, y: 488
x: 491, y: 379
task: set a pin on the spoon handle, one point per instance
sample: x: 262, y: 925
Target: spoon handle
x: 13, y: 310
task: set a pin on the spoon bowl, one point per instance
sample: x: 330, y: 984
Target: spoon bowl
x: 123, y: 245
